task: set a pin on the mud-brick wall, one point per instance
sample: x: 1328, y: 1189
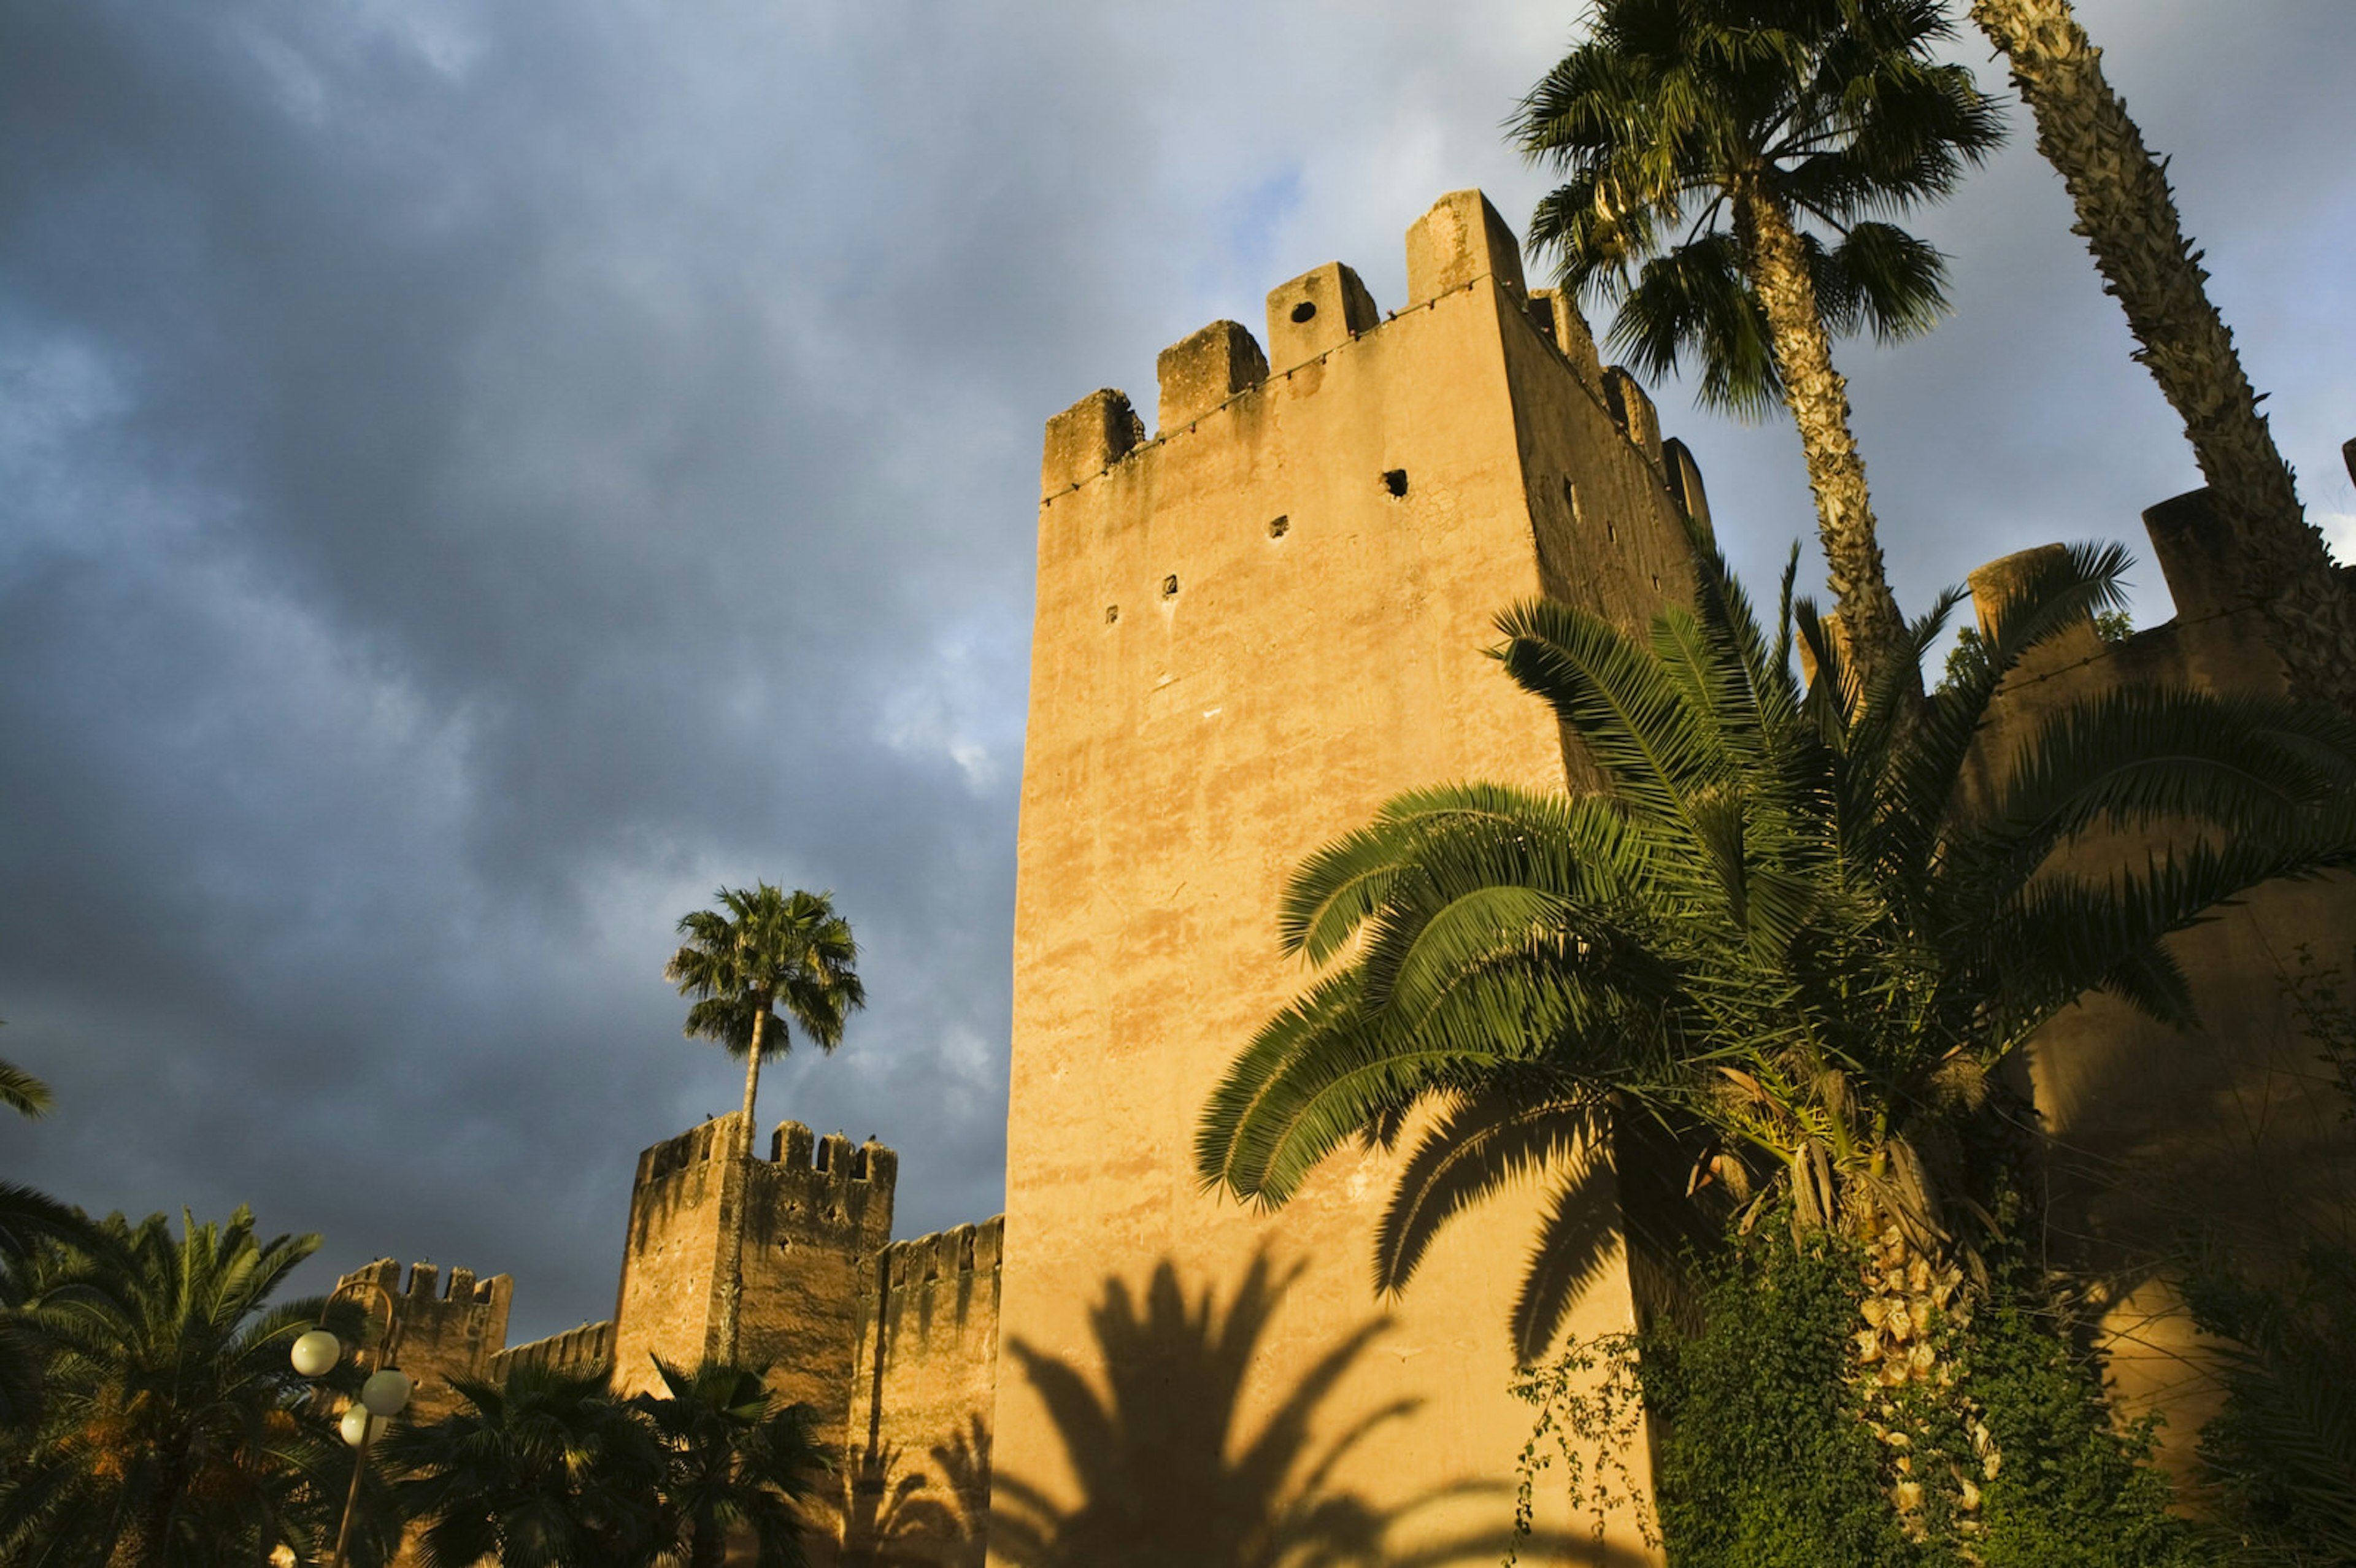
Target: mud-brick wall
x: 916, y: 1474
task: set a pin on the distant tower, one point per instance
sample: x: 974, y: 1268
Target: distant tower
x: 821, y: 1214
x: 1251, y: 630
x: 440, y: 1335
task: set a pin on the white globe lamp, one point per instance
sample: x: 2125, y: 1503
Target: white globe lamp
x: 316, y: 1353
x: 386, y: 1392
x: 356, y: 1424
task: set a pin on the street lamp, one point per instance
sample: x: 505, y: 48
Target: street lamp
x: 381, y: 1396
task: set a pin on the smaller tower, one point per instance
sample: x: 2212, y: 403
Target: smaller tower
x: 817, y: 1212
x: 440, y: 1335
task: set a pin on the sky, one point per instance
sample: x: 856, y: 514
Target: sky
x: 475, y: 478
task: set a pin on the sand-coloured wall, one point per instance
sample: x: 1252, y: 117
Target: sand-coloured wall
x: 1250, y: 631
x: 439, y: 1333
x: 816, y: 1212
x: 917, y: 1471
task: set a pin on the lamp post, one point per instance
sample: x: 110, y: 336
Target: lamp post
x: 381, y: 1396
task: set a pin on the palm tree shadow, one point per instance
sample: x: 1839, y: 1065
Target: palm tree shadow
x: 1165, y: 1475
x: 896, y: 1515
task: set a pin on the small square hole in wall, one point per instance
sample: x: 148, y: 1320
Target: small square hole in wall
x: 1112, y: 613
x: 1170, y: 586
x: 1279, y: 527
x: 1395, y: 481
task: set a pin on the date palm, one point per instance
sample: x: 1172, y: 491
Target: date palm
x: 764, y: 960
x: 1797, y: 926
x: 171, y: 1429
x: 1729, y: 167
x: 2127, y: 217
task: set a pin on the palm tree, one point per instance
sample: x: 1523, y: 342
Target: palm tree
x: 171, y: 1429
x: 1797, y: 926
x: 2129, y: 218
x: 1697, y: 137
x: 547, y: 1469
x: 21, y: 1091
x: 735, y: 1462
x: 769, y: 950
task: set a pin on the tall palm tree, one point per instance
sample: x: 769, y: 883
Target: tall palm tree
x: 172, y: 1429
x: 2128, y: 215
x: 763, y: 950
x: 737, y: 1461
x: 548, y: 1469
x: 1703, y: 143
x: 1797, y: 927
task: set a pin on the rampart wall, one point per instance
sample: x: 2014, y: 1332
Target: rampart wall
x: 918, y: 1468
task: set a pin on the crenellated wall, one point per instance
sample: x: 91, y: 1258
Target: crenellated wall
x: 589, y: 1347
x: 816, y: 1211
x: 441, y: 1333
x: 917, y: 1471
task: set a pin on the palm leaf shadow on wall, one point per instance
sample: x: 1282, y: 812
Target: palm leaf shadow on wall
x: 1166, y: 1478
x: 898, y: 1516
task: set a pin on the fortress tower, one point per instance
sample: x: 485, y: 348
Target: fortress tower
x: 1251, y: 630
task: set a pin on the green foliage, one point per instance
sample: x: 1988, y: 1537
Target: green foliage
x: 2280, y: 1458
x: 551, y: 1469
x: 1764, y: 1457
x: 1672, y: 111
x: 22, y: 1093
x: 2330, y: 1018
x: 763, y: 949
x: 169, y: 1428
x: 2282, y: 1453
x: 2111, y: 626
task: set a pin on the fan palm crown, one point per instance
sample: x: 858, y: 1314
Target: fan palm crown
x: 763, y: 950
x: 1728, y: 170
x: 738, y: 1460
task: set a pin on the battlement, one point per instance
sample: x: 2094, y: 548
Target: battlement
x: 945, y: 1254
x: 1457, y: 247
x: 576, y: 1350
x: 424, y: 1286
x: 793, y: 1148
x: 441, y: 1330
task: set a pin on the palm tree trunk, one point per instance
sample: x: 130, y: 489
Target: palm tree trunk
x: 1818, y: 398
x: 732, y: 1236
x: 2129, y: 218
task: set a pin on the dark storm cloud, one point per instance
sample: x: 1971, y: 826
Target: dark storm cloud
x: 473, y: 478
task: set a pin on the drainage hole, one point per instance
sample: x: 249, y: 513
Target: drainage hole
x: 1112, y: 613
x: 1279, y: 527
x: 1395, y: 481
x: 1170, y: 586
x: 1304, y: 310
